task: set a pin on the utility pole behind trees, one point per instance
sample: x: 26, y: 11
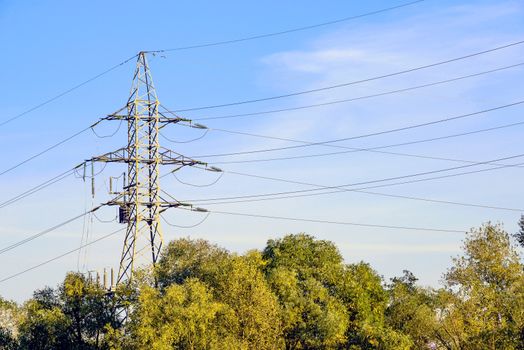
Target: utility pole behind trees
x: 139, y: 201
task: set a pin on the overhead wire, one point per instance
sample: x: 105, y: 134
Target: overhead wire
x: 183, y: 226
x: 393, y: 227
x: 56, y: 97
x: 379, y: 180
x: 46, y: 231
x: 303, y: 92
x: 217, y: 43
x: 93, y: 125
x: 37, y: 188
x: 374, y: 149
x: 343, y: 189
x: 60, y: 256
x: 219, y: 177
x: 204, y: 134
x: 69, y: 172
x: 38, y: 154
x: 288, y: 31
x: 391, y: 92
x: 350, y: 150
x: 109, y: 135
x: 383, y: 132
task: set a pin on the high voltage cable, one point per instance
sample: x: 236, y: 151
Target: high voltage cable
x: 60, y: 256
x: 343, y: 189
x: 375, y: 149
x: 47, y: 149
x: 46, y: 231
x: 90, y: 127
x: 185, y: 226
x: 288, y: 31
x: 351, y: 82
x: 350, y: 150
x: 384, y: 180
x: 393, y: 227
x: 359, y: 97
x: 56, y: 97
x: 66, y: 92
x: 37, y: 188
x: 365, y: 135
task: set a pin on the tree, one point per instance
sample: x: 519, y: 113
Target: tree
x: 74, y: 316
x: 88, y: 308
x: 303, y: 272
x: 412, y: 310
x: 366, y: 300
x: 10, y: 316
x: 250, y: 313
x: 44, y: 327
x: 519, y: 236
x: 184, y: 316
x: 483, y: 306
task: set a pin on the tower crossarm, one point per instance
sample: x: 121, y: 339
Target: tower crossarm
x: 123, y: 115
x: 161, y: 204
x: 165, y: 157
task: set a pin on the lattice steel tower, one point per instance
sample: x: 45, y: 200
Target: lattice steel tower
x: 140, y: 202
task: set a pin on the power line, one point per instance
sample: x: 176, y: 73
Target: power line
x: 339, y: 189
x: 342, y: 189
x: 297, y: 93
x: 47, y: 149
x: 188, y: 226
x: 389, y: 131
x: 350, y: 150
x: 288, y: 31
x: 60, y: 256
x: 37, y: 188
x: 46, y: 231
x: 359, y: 97
x: 335, y: 222
x: 65, y: 92
x: 237, y: 132
x: 378, y: 180
x: 195, y: 185
x: 376, y: 149
x: 56, y: 97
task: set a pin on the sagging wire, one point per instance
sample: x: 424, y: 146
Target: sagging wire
x: 84, y: 175
x: 84, y: 227
x: 195, y: 185
x: 87, y: 226
x: 190, y: 226
x: 187, y: 141
x: 37, y: 188
x: 106, y: 136
x: 114, y: 219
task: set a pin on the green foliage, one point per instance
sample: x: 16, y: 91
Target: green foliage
x: 249, y: 312
x: 302, y: 272
x: 44, y: 327
x: 181, y: 317
x: 411, y: 310
x: 295, y: 294
x: 519, y: 236
x: 326, y: 304
x: 484, y: 304
x: 74, y: 316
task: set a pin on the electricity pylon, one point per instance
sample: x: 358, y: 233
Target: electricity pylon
x: 140, y: 202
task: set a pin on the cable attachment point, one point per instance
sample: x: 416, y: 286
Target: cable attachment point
x: 214, y: 169
x: 201, y: 210
x: 198, y: 126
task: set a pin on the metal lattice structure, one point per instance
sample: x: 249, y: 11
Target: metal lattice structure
x: 139, y: 201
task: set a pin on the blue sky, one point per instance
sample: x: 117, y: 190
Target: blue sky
x: 49, y: 47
